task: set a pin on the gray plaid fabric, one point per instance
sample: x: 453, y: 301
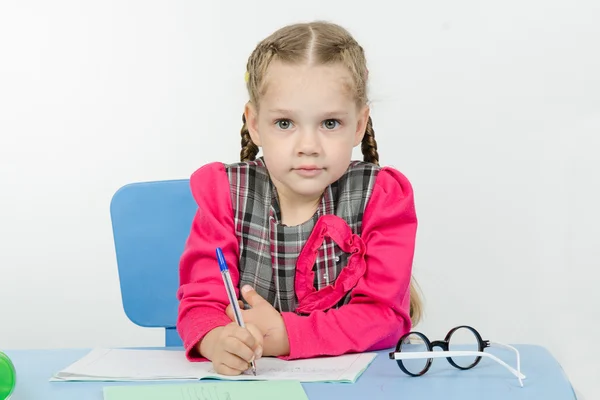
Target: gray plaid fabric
x: 269, y: 250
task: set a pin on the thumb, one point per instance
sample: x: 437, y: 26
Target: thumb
x: 251, y: 296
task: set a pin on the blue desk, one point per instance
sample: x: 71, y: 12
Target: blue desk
x: 382, y: 380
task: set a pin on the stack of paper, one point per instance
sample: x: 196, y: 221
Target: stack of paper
x: 153, y: 365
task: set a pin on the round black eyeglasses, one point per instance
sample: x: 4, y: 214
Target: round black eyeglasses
x: 463, y: 347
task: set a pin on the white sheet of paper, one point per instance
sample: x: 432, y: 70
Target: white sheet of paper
x: 153, y: 365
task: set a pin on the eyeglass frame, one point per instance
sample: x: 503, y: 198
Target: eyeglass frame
x: 447, y: 353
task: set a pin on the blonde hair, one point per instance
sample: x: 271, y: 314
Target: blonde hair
x: 315, y: 43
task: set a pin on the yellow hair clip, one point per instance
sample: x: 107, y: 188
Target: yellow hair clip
x: 247, y: 76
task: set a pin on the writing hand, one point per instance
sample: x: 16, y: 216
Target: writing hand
x: 231, y: 348
x: 267, y: 319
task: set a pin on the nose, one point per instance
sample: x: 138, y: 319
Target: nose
x: 308, y: 143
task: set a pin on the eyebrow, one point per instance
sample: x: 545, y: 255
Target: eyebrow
x: 279, y: 111
x: 329, y: 114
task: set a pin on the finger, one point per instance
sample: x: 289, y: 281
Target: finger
x: 244, y: 336
x: 242, y: 306
x: 231, y: 328
x: 225, y: 370
x: 229, y: 312
x: 236, y: 347
x: 258, y: 337
x: 251, y: 296
x: 234, y: 362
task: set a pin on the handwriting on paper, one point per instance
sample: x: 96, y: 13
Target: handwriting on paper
x: 155, y: 365
x: 295, y: 371
x: 291, y: 372
x: 326, y: 369
x: 204, y: 393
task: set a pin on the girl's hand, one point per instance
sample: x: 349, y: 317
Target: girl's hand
x: 267, y: 319
x: 231, y: 348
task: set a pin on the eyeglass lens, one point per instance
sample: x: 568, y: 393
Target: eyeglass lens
x: 463, y: 339
x: 415, y: 343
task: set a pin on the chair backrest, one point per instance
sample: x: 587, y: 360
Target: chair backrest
x: 151, y: 222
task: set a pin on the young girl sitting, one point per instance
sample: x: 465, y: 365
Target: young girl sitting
x: 320, y: 246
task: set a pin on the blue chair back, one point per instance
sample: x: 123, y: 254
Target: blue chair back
x: 151, y: 222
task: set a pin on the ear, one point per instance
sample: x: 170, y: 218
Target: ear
x: 363, y: 118
x: 252, y: 122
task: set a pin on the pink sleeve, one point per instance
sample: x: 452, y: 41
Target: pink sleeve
x: 378, y: 313
x: 201, y: 292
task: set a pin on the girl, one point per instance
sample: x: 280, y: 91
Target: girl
x: 320, y: 246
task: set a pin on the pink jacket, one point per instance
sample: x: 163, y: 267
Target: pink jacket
x: 375, y: 318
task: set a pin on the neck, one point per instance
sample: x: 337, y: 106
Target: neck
x: 297, y: 210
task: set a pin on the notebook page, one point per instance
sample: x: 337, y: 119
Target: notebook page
x: 346, y: 368
x: 138, y: 365
x: 131, y: 365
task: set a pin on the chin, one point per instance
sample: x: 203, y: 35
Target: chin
x: 308, y: 192
x: 312, y: 194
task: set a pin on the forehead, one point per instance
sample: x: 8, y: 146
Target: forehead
x: 294, y: 86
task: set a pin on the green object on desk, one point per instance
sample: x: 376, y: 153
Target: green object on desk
x: 8, y: 376
x: 264, y: 390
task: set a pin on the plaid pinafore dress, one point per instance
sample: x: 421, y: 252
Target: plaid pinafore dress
x: 312, y: 266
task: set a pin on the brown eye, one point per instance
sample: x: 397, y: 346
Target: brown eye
x: 330, y: 124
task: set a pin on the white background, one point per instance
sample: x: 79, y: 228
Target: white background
x: 492, y: 109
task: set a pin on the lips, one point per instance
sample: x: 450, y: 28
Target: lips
x: 308, y: 170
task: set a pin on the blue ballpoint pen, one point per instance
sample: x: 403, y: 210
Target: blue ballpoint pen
x: 231, y: 294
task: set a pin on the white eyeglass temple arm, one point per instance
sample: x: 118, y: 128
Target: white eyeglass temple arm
x: 446, y: 354
x: 509, y: 347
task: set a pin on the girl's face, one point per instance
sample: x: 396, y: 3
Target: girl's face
x: 307, y: 125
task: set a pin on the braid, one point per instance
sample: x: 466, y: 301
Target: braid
x: 249, y: 149
x: 369, y: 145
